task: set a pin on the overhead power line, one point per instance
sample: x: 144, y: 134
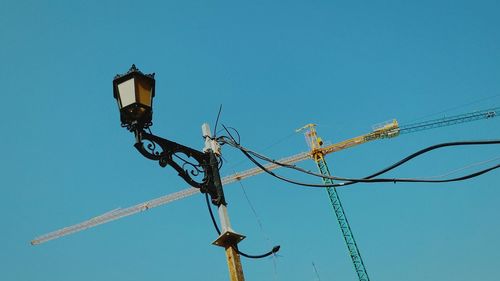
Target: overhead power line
x: 371, y: 178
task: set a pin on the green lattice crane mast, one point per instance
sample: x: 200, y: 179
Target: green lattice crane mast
x: 385, y: 130
x: 318, y: 153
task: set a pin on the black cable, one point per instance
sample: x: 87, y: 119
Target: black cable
x: 231, y: 136
x: 368, y: 179
x: 425, y: 150
x: 280, y: 177
x: 262, y: 157
x: 221, y: 162
x: 274, y: 250
x: 399, y: 163
x: 217, y: 121
x: 212, y: 214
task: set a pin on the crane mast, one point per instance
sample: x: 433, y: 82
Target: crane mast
x: 357, y: 261
x: 318, y: 152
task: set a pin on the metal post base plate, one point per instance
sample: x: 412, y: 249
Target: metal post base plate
x: 228, y: 238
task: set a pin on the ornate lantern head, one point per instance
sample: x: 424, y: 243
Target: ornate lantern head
x: 134, y: 92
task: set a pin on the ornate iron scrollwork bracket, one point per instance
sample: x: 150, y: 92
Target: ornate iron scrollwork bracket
x: 198, y: 173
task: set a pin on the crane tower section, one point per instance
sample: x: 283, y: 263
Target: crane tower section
x: 318, y: 152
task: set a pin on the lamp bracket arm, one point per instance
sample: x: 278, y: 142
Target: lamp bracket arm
x: 196, y: 173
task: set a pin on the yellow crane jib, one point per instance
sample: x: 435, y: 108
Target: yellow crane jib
x: 392, y: 129
x: 388, y: 129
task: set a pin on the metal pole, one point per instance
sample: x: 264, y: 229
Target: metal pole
x: 228, y: 238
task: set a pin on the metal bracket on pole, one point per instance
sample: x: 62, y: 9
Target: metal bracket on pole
x: 228, y: 237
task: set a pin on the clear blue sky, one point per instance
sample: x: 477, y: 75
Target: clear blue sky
x: 275, y: 66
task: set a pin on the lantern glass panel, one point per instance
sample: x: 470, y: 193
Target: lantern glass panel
x: 126, y: 90
x: 144, y: 88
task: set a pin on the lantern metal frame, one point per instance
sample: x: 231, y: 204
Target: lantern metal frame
x: 126, y: 112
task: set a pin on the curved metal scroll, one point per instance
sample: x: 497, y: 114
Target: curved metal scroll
x: 178, y: 157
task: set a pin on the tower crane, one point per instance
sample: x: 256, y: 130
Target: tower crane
x: 384, y: 130
x: 388, y: 130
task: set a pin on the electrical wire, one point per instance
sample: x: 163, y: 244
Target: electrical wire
x: 367, y: 179
x: 217, y: 121
x: 231, y: 136
x: 212, y: 215
x: 463, y: 168
x: 266, y: 148
x: 428, y: 149
x: 370, y: 178
x: 220, y: 160
x: 259, y: 222
x: 274, y: 250
x: 254, y: 212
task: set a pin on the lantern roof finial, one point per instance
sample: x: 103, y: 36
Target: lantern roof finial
x: 134, y: 69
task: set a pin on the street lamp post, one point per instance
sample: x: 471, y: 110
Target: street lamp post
x: 134, y: 92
